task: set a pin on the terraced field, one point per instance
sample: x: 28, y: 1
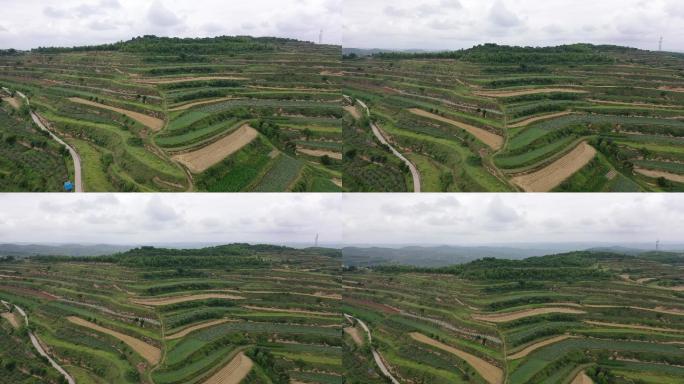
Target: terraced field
x: 572, y: 318
x: 230, y: 314
x: 135, y: 110
x: 491, y: 118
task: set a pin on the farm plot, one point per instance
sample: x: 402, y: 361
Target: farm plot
x: 203, y: 158
x: 429, y: 325
x: 553, y: 174
x: 481, y: 116
x: 284, y: 323
x: 131, y: 108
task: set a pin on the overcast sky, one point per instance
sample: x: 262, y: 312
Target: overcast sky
x: 169, y: 218
x: 485, y: 219
x: 455, y: 24
x: 463, y: 219
x: 31, y: 23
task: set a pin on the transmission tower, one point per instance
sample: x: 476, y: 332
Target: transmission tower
x: 657, y: 245
x: 320, y: 37
x: 316, y: 242
x: 660, y: 44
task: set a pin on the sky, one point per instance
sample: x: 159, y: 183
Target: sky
x: 456, y: 24
x: 487, y: 219
x: 131, y: 219
x: 31, y: 23
x: 428, y: 219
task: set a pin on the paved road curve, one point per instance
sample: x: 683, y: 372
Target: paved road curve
x: 41, y: 351
x: 78, y: 184
x: 376, y: 356
x: 378, y: 134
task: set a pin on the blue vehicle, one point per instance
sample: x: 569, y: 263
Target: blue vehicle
x: 68, y: 186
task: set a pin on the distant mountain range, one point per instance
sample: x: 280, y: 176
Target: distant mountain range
x: 25, y: 250
x: 426, y: 256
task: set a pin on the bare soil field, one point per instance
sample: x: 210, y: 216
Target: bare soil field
x: 287, y: 310
x: 633, y: 326
x: 188, y: 79
x: 196, y: 103
x: 582, y: 378
x: 320, y: 153
x: 193, y: 328
x: 200, y: 160
x: 149, y: 352
x: 524, y: 92
x: 366, y: 303
x: 12, y: 101
x: 668, y: 311
x: 673, y: 89
x: 233, y: 372
x: 12, y: 318
x: 355, y: 335
x: 531, y: 120
x: 510, y: 316
x: 633, y: 104
x: 353, y: 111
x: 181, y: 299
x: 492, y: 140
x: 531, y: 348
x: 490, y: 372
x: 153, y: 123
x: 658, y: 174
x: 555, y: 173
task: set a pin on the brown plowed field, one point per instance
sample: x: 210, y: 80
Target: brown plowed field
x: 353, y: 111
x: 320, y: 153
x: 193, y: 328
x: 524, y: 92
x: 149, y: 352
x: 355, y: 335
x: 555, y: 173
x: 658, y: 174
x: 12, y: 318
x: 151, y: 122
x: 188, y: 79
x: 196, y: 103
x: 490, y: 372
x: 288, y: 310
x: 181, y: 299
x: 510, y: 316
x: 233, y: 372
x: 491, y: 139
x: 531, y: 120
x: 531, y: 348
x: 200, y: 160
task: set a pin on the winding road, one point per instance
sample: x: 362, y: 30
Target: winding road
x: 376, y: 356
x: 39, y: 348
x: 78, y: 184
x: 378, y: 134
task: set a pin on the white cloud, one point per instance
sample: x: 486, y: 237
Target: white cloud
x: 443, y: 24
x: 468, y: 219
x: 168, y: 218
x: 84, y: 22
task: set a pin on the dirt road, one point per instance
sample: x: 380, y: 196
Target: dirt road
x: 193, y: 328
x: 376, y: 356
x: 39, y: 348
x: 378, y: 134
x: 582, y: 378
x: 524, y: 92
x: 78, y: 181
